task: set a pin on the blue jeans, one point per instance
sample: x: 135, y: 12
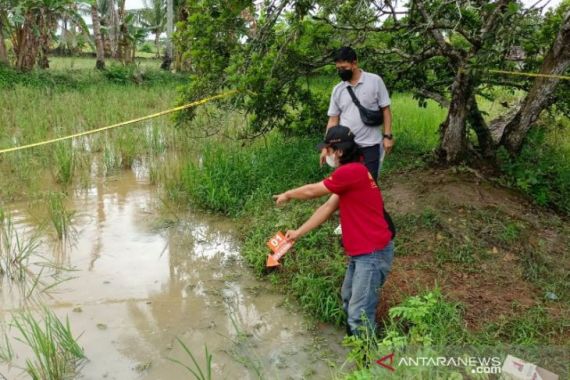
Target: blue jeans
x: 364, y: 276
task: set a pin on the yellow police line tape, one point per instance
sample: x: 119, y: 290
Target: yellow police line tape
x: 566, y: 77
x: 175, y: 109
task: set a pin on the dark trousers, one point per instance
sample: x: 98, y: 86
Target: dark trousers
x: 371, y: 156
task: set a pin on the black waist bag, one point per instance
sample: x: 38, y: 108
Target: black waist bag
x: 370, y: 118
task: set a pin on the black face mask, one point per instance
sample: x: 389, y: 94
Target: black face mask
x: 345, y: 75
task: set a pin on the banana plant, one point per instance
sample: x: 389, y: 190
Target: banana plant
x: 33, y: 24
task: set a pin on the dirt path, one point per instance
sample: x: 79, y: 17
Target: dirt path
x: 483, y: 245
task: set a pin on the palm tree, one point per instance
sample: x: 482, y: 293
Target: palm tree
x: 3, y: 25
x: 169, y: 30
x: 154, y: 19
x: 114, y: 22
x: 100, y: 51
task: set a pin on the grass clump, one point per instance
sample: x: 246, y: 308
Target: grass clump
x: 56, y: 353
x: 229, y: 179
x: 15, y: 250
x: 194, y: 368
x: 64, y: 163
x: 59, y: 216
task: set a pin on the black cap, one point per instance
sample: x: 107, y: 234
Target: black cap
x: 338, y: 136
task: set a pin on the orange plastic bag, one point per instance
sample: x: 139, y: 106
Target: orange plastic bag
x: 279, y: 245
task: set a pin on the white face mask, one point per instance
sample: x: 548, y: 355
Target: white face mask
x: 331, y: 160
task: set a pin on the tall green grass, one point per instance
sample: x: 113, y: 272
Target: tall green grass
x: 230, y: 179
x: 59, y: 216
x: 193, y: 367
x: 6, y: 350
x: 64, y: 162
x: 56, y: 353
x: 64, y: 112
x: 16, y: 250
x: 415, y: 130
x: 542, y: 169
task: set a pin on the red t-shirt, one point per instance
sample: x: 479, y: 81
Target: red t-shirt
x: 364, y: 229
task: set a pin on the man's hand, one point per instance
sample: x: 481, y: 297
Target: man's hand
x: 292, y: 235
x: 388, y: 144
x: 281, y: 198
x: 323, y: 157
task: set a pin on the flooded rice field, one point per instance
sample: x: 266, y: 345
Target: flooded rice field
x: 139, y: 281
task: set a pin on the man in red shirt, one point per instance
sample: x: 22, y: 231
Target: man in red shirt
x: 366, y: 236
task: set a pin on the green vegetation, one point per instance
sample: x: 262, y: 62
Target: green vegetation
x: 15, y: 250
x: 425, y: 52
x: 542, y: 170
x: 62, y: 110
x: 72, y: 74
x: 56, y: 352
x: 194, y: 368
x: 238, y: 179
x: 234, y: 175
x: 60, y: 217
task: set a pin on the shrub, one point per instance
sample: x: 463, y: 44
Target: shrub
x: 542, y: 169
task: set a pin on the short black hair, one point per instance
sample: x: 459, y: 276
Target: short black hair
x: 345, y: 53
x: 350, y: 152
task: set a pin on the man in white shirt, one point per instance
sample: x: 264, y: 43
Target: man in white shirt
x: 371, y: 92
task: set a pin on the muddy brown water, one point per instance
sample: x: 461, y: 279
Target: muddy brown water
x: 138, y: 285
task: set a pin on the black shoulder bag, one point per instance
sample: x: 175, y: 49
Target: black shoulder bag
x: 370, y: 118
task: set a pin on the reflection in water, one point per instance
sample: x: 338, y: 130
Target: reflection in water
x: 138, y: 287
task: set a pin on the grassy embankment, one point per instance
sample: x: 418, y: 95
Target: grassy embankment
x: 456, y: 246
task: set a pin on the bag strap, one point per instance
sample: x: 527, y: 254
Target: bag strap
x: 353, y: 96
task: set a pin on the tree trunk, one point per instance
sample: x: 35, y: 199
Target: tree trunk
x: 3, y: 51
x: 169, y: 30
x: 106, y: 39
x: 157, y: 42
x: 26, y: 44
x: 453, y: 141
x: 123, y: 50
x: 114, y: 30
x: 45, y: 39
x: 100, y: 52
x: 477, y: 122
x: 540, y: 96
x: 62, y: 48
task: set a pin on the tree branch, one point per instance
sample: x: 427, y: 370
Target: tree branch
x: 439, y: 98
x: 444, y: 46
x: 491, y: 20
x: 355, y: 28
